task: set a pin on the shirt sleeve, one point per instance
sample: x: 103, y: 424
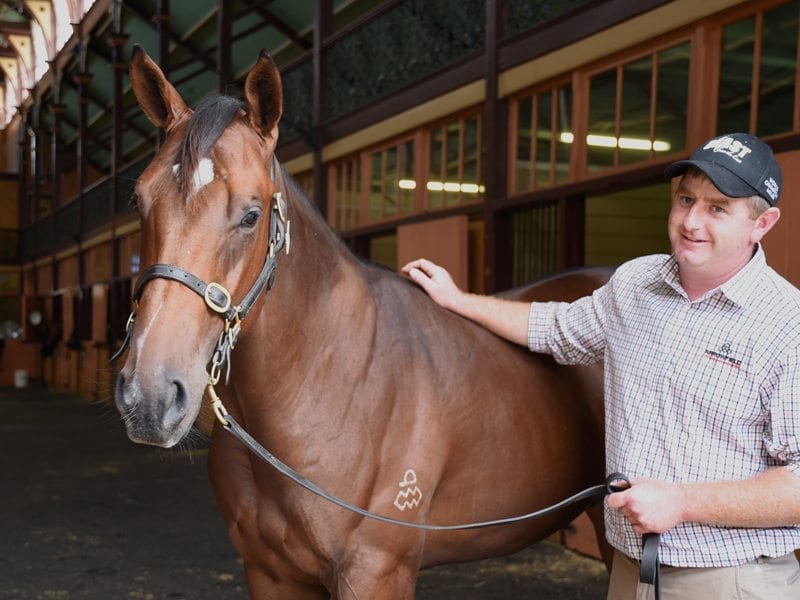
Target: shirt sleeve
x: 571, y: 332
x: 782, y: 438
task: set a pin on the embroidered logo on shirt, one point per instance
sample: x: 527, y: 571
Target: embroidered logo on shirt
x: 723, y: 355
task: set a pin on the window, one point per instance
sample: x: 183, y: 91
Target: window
x: 305, y: 181
x: 534, y: 242
x: 541, y: 145
x: 347, y: 193
x: 758, y: 71
x: 397, y: 179
x: 637, y: 110
x: 391, y: 181
x: 455, y: 165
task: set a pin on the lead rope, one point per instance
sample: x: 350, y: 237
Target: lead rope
x: 232, y: 426
x: 649, y: 569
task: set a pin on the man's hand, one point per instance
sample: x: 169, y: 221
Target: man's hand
x: 650, y: 506
x: 436, y: 281
x: 506, y: 318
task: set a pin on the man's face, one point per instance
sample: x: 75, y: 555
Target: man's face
x: 712, y: 234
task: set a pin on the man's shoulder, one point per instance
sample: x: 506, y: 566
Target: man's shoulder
x: 644, y: 269
x: 774, y: 289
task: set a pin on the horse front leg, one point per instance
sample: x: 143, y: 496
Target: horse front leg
x: 597, y: 517
x: 387, y: 588
x: 262, y: 586
x: 388, y: 581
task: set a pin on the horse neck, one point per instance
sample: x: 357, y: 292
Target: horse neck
x: 320, y: 298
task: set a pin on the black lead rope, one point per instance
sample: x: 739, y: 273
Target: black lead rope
x: 650, y: 570
x: 616, y: 482
x: 238, y: 432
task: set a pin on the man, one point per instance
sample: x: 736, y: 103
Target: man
x: 702, y: 383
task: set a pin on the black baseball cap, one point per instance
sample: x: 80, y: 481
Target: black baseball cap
x: 738, y: 164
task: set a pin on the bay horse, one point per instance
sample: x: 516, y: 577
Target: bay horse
x: 346, y: 371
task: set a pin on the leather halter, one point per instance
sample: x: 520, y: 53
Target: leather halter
x: 217, y: 298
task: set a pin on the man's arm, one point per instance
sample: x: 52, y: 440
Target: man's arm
x: 506, y: 318
x: 771, y: 499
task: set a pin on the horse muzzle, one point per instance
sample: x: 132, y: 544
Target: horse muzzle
x: 156, y: 411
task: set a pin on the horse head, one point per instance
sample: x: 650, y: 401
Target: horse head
x: 206, y: 203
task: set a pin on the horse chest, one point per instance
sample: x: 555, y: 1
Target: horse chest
x: 265, y: 514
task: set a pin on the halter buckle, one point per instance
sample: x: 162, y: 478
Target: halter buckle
x: 233, y: 326
x: 211, y: 303
x: 281, y: 204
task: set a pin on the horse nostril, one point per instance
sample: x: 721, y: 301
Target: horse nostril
x: 176, y: 407
x: 180, y: 394
x: 125, y: 399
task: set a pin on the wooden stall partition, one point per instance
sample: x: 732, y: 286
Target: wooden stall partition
x: 581, y: 537
x: 29, y: 280
x: 20, y: 363
x: 69, y: 272
x: 129, y: 254
x: 99, y: 313
x: 98, y: 262
x: 782, y: 244
x: 44, y: 278
x: 444, y: 241
x: 66, y: 355
x: 94, y: 375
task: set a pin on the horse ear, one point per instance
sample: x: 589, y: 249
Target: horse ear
x: 264, y: 94
x: 159, y: 100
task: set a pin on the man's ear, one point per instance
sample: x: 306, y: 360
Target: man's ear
x: 764, y: 222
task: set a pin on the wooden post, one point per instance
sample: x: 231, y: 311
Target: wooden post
x: 323, y: 18
x: 497, y: 274
x: 224, y: 21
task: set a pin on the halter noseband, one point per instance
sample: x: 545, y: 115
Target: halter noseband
x: 218, y: 298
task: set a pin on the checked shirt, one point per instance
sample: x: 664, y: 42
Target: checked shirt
x: 707, y: 390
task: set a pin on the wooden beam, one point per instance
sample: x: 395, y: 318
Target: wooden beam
x: 173, y: 37
x: 282, y: 26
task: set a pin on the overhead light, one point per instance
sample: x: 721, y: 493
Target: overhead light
x: 443, y: 186
x: 407, y: 184
x: 626, y: 143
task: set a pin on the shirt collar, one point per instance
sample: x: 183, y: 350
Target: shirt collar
x: 737, y: 289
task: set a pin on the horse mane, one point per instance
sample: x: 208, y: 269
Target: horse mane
x: 210, y: 119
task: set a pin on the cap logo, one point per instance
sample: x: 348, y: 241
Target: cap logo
x: 727, y: 145
x: 772, y: 188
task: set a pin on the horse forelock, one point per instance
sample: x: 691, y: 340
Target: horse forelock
x: 208, y: 122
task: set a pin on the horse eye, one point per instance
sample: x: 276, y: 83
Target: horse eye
x: 250, y: 219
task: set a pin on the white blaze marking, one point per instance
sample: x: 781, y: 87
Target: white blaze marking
x: 409, y: 495
x: 202, y: 176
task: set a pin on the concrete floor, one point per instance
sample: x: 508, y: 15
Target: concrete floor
x: 85, y: 514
